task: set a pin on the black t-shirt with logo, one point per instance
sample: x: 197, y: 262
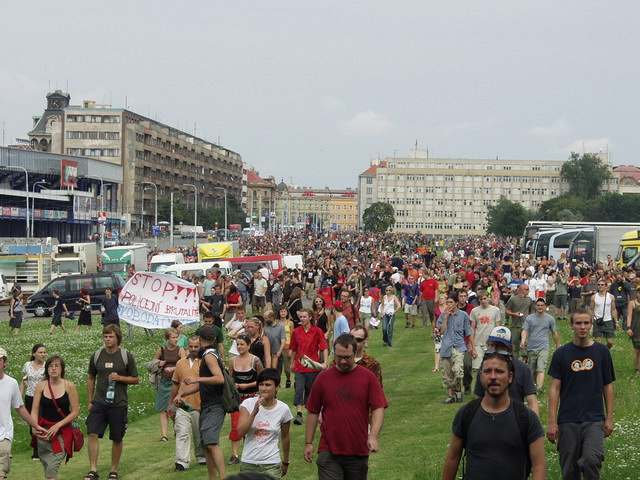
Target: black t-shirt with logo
x: 583, y: 373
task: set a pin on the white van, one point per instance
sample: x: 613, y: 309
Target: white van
x: 160, y: 262
x: 199, y: 269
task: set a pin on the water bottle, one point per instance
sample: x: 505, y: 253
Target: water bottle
x: 111, y: 391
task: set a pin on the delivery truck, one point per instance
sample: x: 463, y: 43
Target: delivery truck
x: 209, y: 252
x: 598, y: 244
x: 74, y: 258
x: 119, y: 259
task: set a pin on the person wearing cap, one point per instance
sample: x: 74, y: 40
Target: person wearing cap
x: 209, y: 383
x: 581, y: 400
x: 10, y: 398
x: 535, y: 340
x: 500, y: 437
x: 523, y: 388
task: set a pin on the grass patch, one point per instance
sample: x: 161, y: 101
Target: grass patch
x: 413, y: 441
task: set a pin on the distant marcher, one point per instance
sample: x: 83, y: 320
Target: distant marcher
x: 263, y: 421
x: 535, y: 340
x: 10, y: 398
x: 500, y: 437
x: 350, y: 429
x: 85, y: 309
x: 58, y: 308
x: 365, y: 307
x: 55, y: 406
x: 605, y: 314
x: 111, y: 370
x: 389, y: 305
x: 109, y: 308
x: 582, y: 385
x: 361, y: 335
x: 284, y: 364
x: 633, y: 331
x: 275, y: 332
x: 16, y: 311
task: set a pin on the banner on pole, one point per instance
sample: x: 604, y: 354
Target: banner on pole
x: 154, y: 300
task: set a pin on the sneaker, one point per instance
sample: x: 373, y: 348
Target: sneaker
x: 298, y: 419
x: 201, y: 461
x: 288, y: 384
x: 180, y: 468
x: 233, y: 460
x: 449, y: 400
x: 459, y: 397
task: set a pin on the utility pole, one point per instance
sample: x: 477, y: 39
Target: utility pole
x: 195, y: 212
x: 155, y: 187
x: 171, y: 221
x: 225, y: 210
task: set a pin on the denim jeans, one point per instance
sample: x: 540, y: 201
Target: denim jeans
x: 387, y: 328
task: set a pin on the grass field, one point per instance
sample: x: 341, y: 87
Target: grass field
x: 413, y: 441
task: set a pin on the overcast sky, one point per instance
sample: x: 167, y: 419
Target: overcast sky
x: 312, y: 91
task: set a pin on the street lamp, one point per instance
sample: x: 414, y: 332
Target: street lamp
x: 155, y: 187
x: 33, y: 201
x: 26, y: 177
x: 195, y: 211
x: 225, y: 210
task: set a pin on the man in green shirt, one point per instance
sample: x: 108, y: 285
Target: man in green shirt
x: 517, y: 308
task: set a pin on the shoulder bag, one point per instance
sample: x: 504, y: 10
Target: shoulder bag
x: 76, y: 433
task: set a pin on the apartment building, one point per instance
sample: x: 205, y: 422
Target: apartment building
x: 154, y: 156
x: 260, y: 199
x: 450, y: 196
x: 322, y: 208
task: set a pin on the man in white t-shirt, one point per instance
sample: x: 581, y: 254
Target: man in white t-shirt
x: 10, y: 398
x: 483, y: 318
x: 265, y: 420
x: 259, y: 293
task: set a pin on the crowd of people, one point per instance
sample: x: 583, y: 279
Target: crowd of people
x: 490, y: 311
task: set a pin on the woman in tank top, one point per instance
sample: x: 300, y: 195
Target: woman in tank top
x: 55, y: 407
x: 260, y: 345
x: 32, y: 374
x: 389, y: 305
x: 244, y: 368
x: 167, y: 357
x: 604, y: 316
x: 633, y: 331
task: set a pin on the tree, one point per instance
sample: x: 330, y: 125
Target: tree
x: 507, y: 218
x: 566, y: 208
x: 615, y: 207
x: 378, y: 217
x: 585, y: 174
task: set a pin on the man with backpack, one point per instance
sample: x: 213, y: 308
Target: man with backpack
x: 501, y: 438
x: 111, y: 370
x: 210, y: 382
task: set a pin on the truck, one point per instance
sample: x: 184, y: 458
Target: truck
x: 628, y: 247
x: 26, y: 262
x: 598, y: 244
x: 161, y: 261
x: 74, y: 258
x: 209, y: 252
x: 119, y: 259
x: 187, y: 231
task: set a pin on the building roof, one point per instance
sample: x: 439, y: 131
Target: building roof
x: 253, y: 178
x: 628, y: 171
x: 371, y: 171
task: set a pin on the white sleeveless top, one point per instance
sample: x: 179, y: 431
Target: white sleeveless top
x: 388, y: 305
x: 603, y: 303
x: 365, y: 304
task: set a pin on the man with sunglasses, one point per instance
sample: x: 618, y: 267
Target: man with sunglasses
x: 500, y: 437
x: 522, y: 389
x: 582, y: 386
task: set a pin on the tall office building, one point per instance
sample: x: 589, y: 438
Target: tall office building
x: 149, y: 151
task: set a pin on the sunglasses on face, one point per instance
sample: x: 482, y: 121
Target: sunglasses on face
x: 359, y: 339
x: 497, y: 351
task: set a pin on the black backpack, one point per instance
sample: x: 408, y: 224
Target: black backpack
x: 522, y: 419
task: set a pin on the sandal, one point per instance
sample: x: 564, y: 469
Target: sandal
x: 164, y: 438
x: 113, y: 476
x: 92, y: 475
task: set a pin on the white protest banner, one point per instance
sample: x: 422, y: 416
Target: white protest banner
x: 154, y: 300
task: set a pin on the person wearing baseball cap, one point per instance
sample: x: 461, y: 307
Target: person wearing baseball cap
x: 523, y: 387
x: 10, y: 398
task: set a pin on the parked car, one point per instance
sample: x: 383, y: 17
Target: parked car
x: 41, y: 302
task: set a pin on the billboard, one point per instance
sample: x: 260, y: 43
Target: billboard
x: 68, y: 173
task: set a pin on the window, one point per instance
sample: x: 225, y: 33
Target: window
x: 104, y: 282
x: 75, y: 284
x: 57, y: 284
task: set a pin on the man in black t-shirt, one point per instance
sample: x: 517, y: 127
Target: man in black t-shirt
x: 111, y: 370
x: 582, y: 384
x: 500, y: 438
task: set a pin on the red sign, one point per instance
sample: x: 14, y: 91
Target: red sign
x: 68, y: 173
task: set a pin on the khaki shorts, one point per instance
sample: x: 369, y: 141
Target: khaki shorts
x: 5, y: 458
x: 477, y: 362
x: 411, y: 309
x: 272, y: 469
x: 537, y: 360
x: 453, y: 369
